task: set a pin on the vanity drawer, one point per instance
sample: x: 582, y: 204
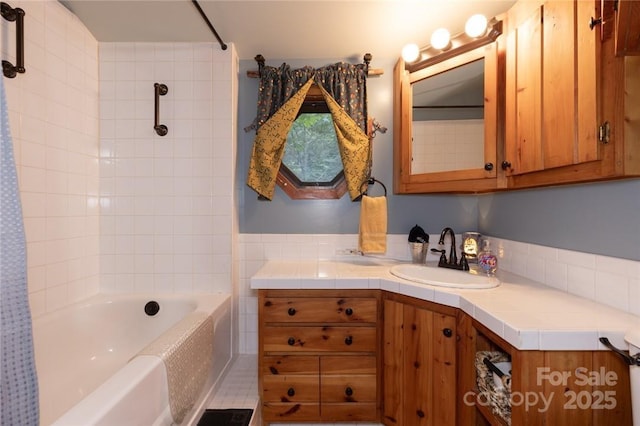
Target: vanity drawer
x: 348, y: 364
x: 349, y: 412
x: 319, y: 339
x: 290, y: 388
x: 351, y: 389
x: 315, y: 310
x: 290, y: 364
x: 290, y: 412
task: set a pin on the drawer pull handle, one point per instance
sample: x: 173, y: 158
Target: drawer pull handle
x: 291, y: 341
x: 348, y: 391
x: 291, y: 311
x: 447, y: 332
x: 291, y: 391
x: 349, y: 312
x: 348, y: 341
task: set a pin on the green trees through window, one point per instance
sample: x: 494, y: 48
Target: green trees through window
x: 311, y: 150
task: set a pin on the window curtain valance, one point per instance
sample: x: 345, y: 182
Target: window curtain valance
x: 282, y: 92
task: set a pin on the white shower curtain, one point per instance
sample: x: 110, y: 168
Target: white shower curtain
x: 18, y: 381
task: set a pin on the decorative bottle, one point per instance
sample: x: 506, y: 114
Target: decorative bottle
x: 487, y: 261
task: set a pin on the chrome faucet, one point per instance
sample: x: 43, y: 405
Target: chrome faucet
x: 452, y: 263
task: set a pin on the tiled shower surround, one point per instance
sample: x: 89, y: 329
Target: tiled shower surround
x: 54, y: 119
x: 166, y: 202
x: 108, y: 205
x: 611, y: 281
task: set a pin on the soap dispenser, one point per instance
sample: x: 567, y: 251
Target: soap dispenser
x: 487, y: 261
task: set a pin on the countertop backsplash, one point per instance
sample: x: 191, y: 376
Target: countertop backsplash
x: 607, y: 280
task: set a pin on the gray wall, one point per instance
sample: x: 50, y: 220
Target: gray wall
x: 602, y: 218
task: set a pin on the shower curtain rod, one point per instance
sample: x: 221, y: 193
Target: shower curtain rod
x: 206, y: 19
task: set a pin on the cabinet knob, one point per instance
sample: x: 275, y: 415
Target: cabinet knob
x: 593, y: 22
x: 506, y: 165
x: 291, y: 341
x: 348, y: 391
x: 291, y: 391
x: 488, y: 167
x: 348, y: 341
x: 291, y: 311
x: 447, y: 332
x: 349, y: 312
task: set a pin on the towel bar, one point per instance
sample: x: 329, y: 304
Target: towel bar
x: 371, y: 181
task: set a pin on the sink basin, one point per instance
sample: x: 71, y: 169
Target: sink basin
x: 443, y: 277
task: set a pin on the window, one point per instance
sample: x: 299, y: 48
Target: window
x: 312, y: 167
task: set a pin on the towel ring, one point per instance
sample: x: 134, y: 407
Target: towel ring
x: 372, y: 181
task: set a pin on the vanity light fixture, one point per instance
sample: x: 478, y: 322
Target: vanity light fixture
x: 478, y: 32
x: 441, y: 39
x: 476, y: 26
x: 410, y: 52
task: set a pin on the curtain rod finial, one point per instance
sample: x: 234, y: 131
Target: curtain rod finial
x: 259, y: 59
x: 367, y: 58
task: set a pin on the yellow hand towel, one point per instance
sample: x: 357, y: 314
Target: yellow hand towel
x: 373, y: 225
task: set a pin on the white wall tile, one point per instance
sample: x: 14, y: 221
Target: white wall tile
x: 49, y: 107
x: 163, y: 186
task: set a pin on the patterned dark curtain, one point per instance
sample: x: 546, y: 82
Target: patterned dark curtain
x: 278, y: 85
x: 281, y: 93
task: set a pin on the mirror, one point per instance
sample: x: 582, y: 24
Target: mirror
x: 446, y: 121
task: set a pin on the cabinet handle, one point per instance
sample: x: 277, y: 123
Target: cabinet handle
x: 291, y: 311
x: 291, y: 341
x: 593, y: 22
x: 447, y: 332
x: 488, y: 167
x: 349, y: 312
x: 291, y: 391
x: 348, y: 391
x: 506, y: 165
x: 348, y: 341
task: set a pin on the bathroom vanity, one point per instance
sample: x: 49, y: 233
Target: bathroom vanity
x: 344, y: 342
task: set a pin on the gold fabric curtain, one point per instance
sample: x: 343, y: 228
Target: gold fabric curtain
x: 353, y: 142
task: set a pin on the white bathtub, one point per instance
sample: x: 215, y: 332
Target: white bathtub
x: 88, y: 371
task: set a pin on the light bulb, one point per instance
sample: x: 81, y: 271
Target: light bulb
x: 440, y: 38
x: 476, y: 26
x: 410, y: 52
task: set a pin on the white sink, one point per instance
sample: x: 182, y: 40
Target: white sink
x: 443, y: 277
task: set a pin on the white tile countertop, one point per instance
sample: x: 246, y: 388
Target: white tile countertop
x: 525, y: 313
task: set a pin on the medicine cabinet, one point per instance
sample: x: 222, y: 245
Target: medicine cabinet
x: 445, y: 121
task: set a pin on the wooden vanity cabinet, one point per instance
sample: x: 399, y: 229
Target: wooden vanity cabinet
x: 566, y: 97
x: 318, y: 355
x: 419, y: 380
x: 579, y: 387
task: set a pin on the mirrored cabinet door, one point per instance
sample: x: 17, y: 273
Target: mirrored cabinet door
x: 445, y: 121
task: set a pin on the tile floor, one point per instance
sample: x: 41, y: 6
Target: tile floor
x: 239, y: 389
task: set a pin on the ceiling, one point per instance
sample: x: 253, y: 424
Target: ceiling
x: 285, y: 29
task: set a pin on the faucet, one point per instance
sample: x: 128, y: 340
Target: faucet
x: 452, y: 263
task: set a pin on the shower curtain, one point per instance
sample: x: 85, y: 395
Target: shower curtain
x: 18, y: 381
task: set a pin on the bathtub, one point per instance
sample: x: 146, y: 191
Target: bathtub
x: 90, y: 371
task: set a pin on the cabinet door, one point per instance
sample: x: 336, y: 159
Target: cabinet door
x: 552, y: 88
x: 419, y: 366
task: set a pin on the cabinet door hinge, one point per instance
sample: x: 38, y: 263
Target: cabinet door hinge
x: 604, y: 130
